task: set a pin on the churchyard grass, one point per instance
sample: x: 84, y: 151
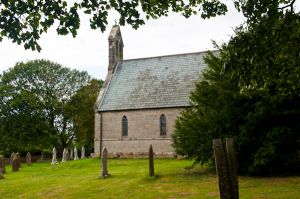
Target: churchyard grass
x: 129, y: 179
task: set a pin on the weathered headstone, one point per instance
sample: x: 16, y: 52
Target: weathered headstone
x: 226, y: 167
x: 104, y: 163
x: 71, y: 154
x: 82, y: 152
x: 1, y: 174
x: 151, y: 161
x: 67, y: 155
x: 64, y: 155
x: 18, y: 156
x: 75, y: 153
x: 2, y: 164
x: 12, y: 156
x: 54, y: 159
x: 232, y: 166
x: 42, y: 156
x: 15, y: 164
x: 28, y: 158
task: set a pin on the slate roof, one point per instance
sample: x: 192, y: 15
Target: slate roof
x: 155, y: 82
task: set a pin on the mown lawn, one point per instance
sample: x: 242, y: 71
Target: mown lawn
x: 80, y: 179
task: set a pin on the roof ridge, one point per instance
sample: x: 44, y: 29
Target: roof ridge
x: 191, y: 53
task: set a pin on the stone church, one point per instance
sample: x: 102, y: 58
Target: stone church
x: 141, y: 98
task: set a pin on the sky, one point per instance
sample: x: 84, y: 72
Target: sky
x: 89, y: 50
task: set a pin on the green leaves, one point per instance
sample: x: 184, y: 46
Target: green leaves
x: 25, y: 21
x: 81, y: 112
x: 250, y: 91
x: 34, y: 97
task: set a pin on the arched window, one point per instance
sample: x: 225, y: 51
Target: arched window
x: 163, y: 125
x: 124, y: 126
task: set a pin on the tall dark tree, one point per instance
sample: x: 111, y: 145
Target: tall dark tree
x: 81, y: 112
x: 251, y: 91
x: 33, y: 99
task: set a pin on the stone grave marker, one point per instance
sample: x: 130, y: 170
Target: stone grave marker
x: 67, y: 155
x: 104, y: 163
x: 2, y: 164
x: 28, y: 158
x: 82, y: 152
x: 226, y: 167
x: 54, y: 159
x: 71, y: 154
x: 1, y: 174
x: 64, y: 155
x: 75, y: 153
x: 12, y: 156
x: 151, y: 161
x: 18, y: 156
x: 15, y: 164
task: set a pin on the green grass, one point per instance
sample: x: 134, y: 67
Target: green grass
x: 80, y: 179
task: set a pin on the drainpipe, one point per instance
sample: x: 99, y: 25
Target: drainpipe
x: 101, y: 134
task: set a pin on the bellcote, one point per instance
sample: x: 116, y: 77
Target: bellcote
x: 115, y: 43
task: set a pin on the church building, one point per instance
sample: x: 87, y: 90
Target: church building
x: 141, y: 98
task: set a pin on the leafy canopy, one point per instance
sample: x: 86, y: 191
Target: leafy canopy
x: 24, y: 21
x: 34, y: 96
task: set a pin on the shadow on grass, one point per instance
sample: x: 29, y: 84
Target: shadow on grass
x: 151, y: 178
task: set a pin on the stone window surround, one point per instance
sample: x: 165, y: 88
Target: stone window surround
x: 124, y: 126
x: 162, y: 125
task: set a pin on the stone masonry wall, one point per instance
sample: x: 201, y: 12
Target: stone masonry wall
x: 143, y: 130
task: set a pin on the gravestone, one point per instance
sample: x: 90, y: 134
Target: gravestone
x: 18, y: 156
x: 67, y: 155
x: 42, y: 157
x: 151, y: 161
x: 2, y: 164
x: 54, y: 159
x: 28, y: 158
x: 15, y: 164
x: 1, y: 174
x: 64, y: 155
x: 232, y: 167
x: 82, y: 152
x: 226, y: 167
x: 104, y: 163
x: 75, y: 153
x: 12, y: 156
x: 71, y: 154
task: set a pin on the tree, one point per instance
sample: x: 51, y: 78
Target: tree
x: 34, y: 96
x: 250, y: 92
x: 81, y: 112
x: 24, y: 21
